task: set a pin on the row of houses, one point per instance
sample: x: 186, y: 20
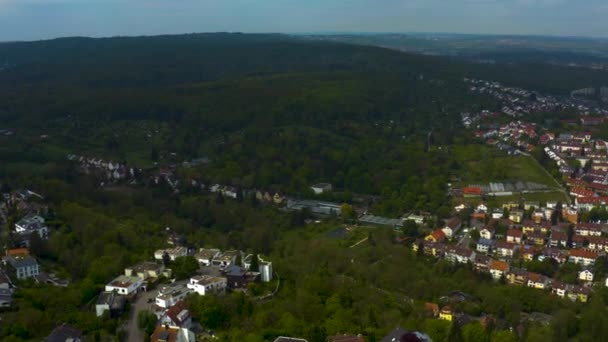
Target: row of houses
x: 500, y: 269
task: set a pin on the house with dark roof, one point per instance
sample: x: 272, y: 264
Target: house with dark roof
x: 63, y: 333
x: 289, y: 339
x: 401, y: 335
x: 346, y: 338
x: 110, y: 301
x: 236, y: 277
x: 23, y: 266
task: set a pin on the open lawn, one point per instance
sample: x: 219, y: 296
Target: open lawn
x: 481, y: 164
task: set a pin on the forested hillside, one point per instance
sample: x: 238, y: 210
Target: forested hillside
x: 274, y: 113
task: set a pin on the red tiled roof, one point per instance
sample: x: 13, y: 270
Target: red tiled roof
x: 559, y: 236
x: 499, y: 265
x: 438, y: 234
x: 174, y: 311
x: 514, y: 232
x: 583, y: 253
x: 592, y: 200
x: 505, y: 244
x: 472, y: 191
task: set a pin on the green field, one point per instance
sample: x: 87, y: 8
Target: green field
x: 481, y: 164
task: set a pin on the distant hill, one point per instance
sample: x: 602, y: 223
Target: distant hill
x: 497, y: 48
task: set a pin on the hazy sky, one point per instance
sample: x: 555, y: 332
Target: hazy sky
x: 38, y: 19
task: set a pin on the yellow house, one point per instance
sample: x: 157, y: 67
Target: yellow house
x: 446, y: 313
x: 527, y: 228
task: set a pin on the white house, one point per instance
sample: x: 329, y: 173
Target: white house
x: 205, y: 256
x: 125, y: 285
x: 169, y: 296
x: 487, y: 233
x: 25, y: 266
x: 177, y: 316
x: 172, y: 252
x: 206, y: 284
x: 498, y: 269
x: 482, y: 207
x: 320, y: 188
x: 32, y: 224
x: 585, y: 275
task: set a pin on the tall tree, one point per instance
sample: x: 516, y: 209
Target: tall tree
x: 255, y: 263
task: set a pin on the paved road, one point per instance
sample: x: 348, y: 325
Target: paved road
x: 139, y: 305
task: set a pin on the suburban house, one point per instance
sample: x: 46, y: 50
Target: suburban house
x: 557, y: 254
x: 172, y: 334
x: 6, y: 298
x: 177, y: 316
x: 598, y: 243
x: 527, y: 252
x: 170, y: 295
x: 4, y: 281
x: 64, y: 332
x: 205, y: 284
x: 346, y: 338
x: 481, y: 263
x: 505, y: 249
x: 31, y: 224
x: 487, y: 233
x: 320, y: 188
x: 289, y: 339
x: 482, y: 207
x: 430, y: 248
x: 446, y: 313
x: 517, y: 276
x: 559, y: 239
x: 459, y: 255
x: 484, y: 245
x: 583, y: 257
x: 588, y: 229
x: 225, y: 259
x: 432, y: 308
x: 516, y: 215
x: 111, y: 302
x: 397, y: 334
x: 537, y: 281
x: 514, y: 235
x: 536, y: 238
x: 205, y: 256
x: 528, y: 226
x: 147, y: 270
x: 498, y: 269
x: 22, y: 265
x: 436, y: 236
x: 585, y: 275
x: 172, y: 252
x: 579, y: 293
x: 451, y: 227
x: 497, y: 213
x: 238, y: 277
x: 558, y: 288
x: 125, y: 285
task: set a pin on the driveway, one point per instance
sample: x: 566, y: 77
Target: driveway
x: 139, y: 305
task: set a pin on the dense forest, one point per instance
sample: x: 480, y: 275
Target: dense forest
x: 271, y: 112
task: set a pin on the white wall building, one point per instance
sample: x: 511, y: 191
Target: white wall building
x: 125, y: 285
x: 206, y: 284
